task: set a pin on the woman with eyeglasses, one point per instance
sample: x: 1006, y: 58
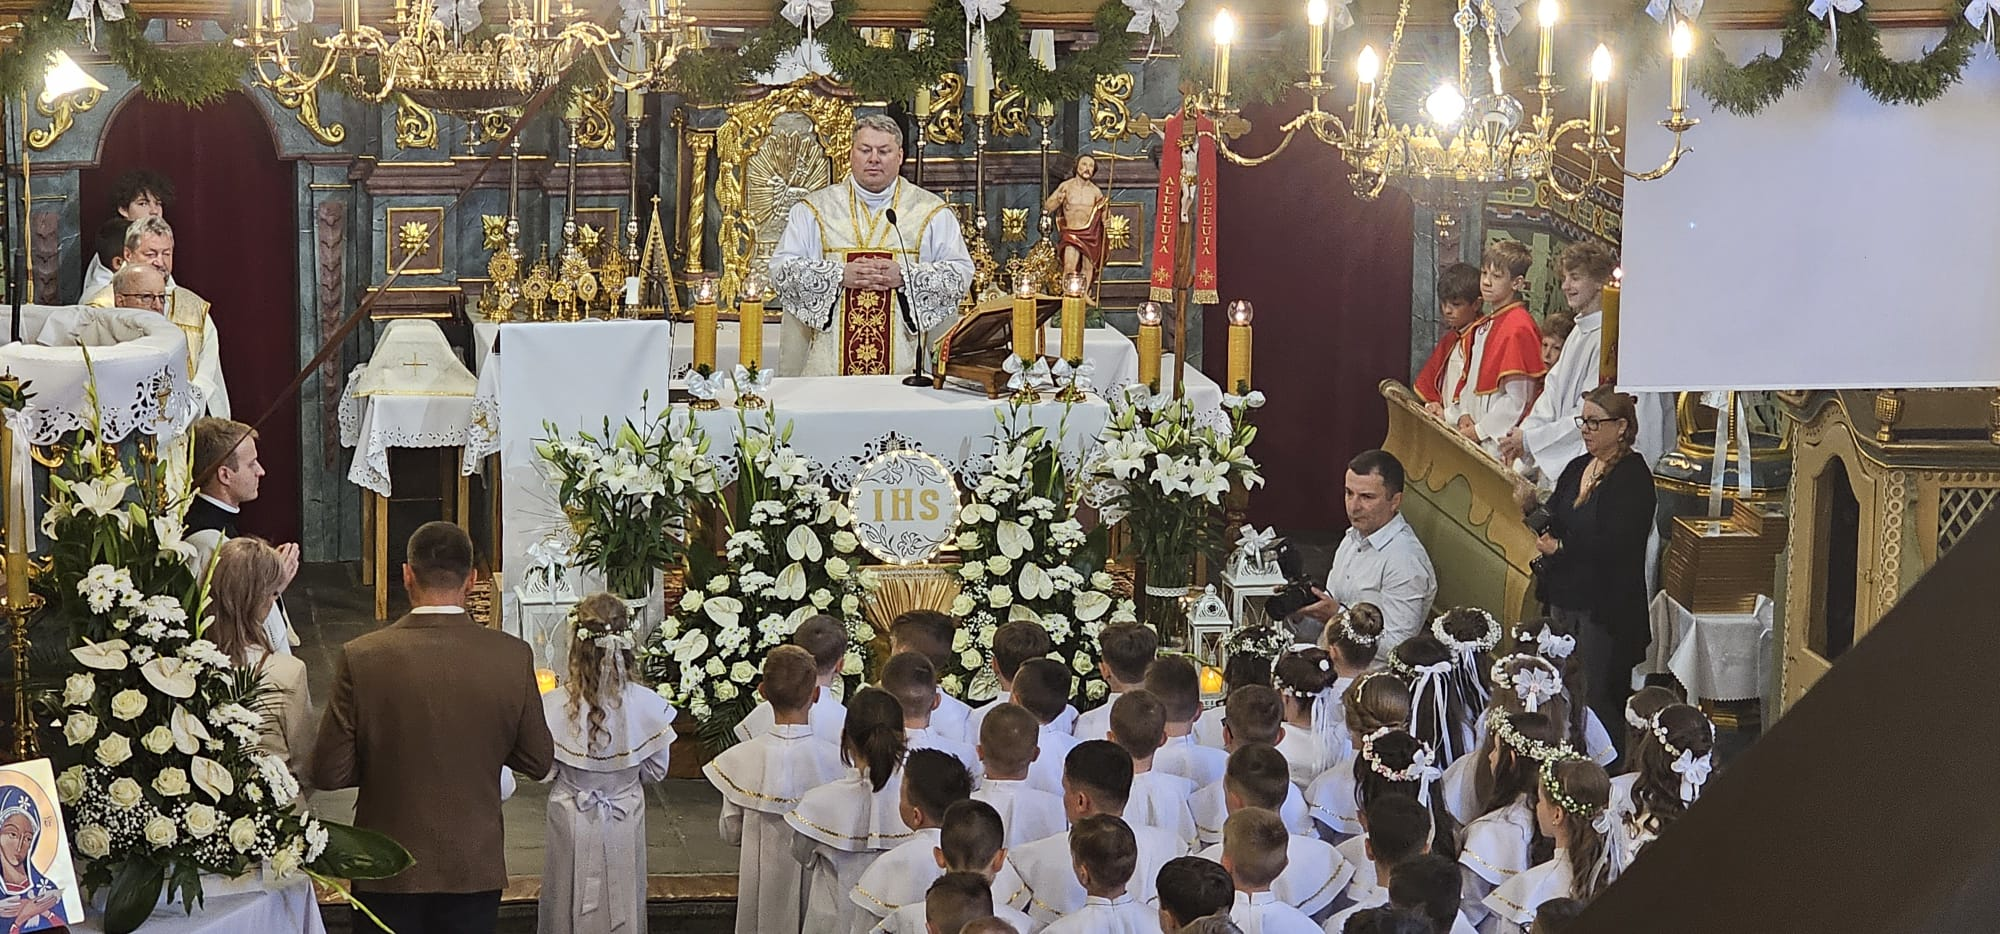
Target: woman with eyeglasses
x: 1593, y: 531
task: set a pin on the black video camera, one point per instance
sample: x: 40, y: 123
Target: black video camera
x: 1297, y: 593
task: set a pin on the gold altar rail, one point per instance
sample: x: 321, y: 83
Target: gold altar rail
x: 1078, y: 14
x: 1461, y: 504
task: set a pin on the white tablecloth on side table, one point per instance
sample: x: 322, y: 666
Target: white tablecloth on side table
x: 288, y: 910
x: 1716, y: 656
x: 374, y: 424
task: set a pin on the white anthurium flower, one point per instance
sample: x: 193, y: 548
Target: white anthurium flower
x: 1023, y: 614
x: 974, y: 513
x: 691, y: 646
x: 1012, y: 539
x: 1034, y: 583
x: 723, y: 610
x: 211, y: 777
x: 103, y: 656
x: 189, y: 732
x: 172, y: 676
x: 791, y: 583
x: 804, y: 544
x: 1091, y: 604
x: 1011, y: 463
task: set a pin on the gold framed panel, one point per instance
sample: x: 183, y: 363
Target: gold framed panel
x: 417, y: 234
x: 1125, y: 234
x: 769, y: 153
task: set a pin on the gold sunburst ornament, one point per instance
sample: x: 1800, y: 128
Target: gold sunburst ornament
x: 493, y: 231
x: 1117, y: 231
x: 413, y: 237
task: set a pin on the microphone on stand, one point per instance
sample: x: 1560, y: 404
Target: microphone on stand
x: 916, y: 377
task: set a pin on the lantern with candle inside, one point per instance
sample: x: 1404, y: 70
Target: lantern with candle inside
x: 1150, y: 316
x: 1024, y: 317
x: 704, y: 326
x: 1240, y: 315
x: 1211, y: 685
x: 545, y: 680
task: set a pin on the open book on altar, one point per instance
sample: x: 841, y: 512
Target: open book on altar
x: 976, y: 348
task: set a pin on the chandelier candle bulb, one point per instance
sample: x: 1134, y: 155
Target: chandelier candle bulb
x: 1240, y: 315
x: 1600, y: 72
x: 1150, y: 316
x: 750, y: 318
x: 1547, y: 13
x: 1225, y: 36
x: 704, y: 326
x: 1072, y: 319
x: 1683, y: 45
x: 1366, y: 68
x: 1024, y: 318
x: 1315, y: 38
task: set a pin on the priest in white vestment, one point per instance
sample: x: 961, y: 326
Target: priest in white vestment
x: 150, y: 242
x: 864, y: 259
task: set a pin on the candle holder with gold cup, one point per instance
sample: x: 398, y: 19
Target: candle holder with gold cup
x: 703, y: 365
x: 753, y: 379
x: 1241, y: 313
x: 1151, y: 316
x: 1026, y: 331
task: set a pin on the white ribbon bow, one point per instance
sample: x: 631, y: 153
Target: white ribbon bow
x: 1430, y: 680
x: 110, y: 11
x: 548, y: 556
x: 1506, y: 15
x: 615, y: 641
x: 1427, y: 774
x: 1555, y: 646
x: 747, y: 383
x: 706, y: 387
x: 1035, y: 374
x: 1981, y: 13
x: 1602, y: 822
x: 1688, y: 9
x: 1340, y: 15
x: 1255, y: 400
x: 1824, y: 9
x: 1078, y: 376
x: 1250, y: 540
x: 1147, y: 13
x: 807, y: 14
x: 1693, y: 771
x: 979, y: 12
x: 460, y: 16
x: 600, y: 805
x: 1536, y: 687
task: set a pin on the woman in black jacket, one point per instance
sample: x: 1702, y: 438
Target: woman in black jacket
x: 1593, y: 568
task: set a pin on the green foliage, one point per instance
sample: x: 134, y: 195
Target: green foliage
x: 134, y: 892
x: 190, y: 77
x: 1746, y: 89
x: 356, y: 853
x: 1894, y: 82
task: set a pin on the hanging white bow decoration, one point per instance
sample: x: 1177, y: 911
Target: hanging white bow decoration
x: 110, y: 11
x: 1689, y: 10
x: 461, y: 16
x: 807, y: 14
x: 293, y: 12
x: 1693, y: 771
x: 748, y: 383
x: 1339, y: 14
x: 1146, y: 14
x: 1506, y: 15
x: 980, y: 12
x: 1981, y: 13
x: 1824, y: 9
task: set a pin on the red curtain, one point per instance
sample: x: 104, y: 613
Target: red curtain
x: 235, y: 244
x: 1330, y: 277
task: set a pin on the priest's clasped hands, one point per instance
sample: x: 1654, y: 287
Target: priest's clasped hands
x: 872, y: 273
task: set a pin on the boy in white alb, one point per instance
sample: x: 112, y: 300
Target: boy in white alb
x: 1103, y: 854
x: 1428, y: 883
x: 1097, y: 775
x: 1175, y: 682
x: 1007, y: 746
x: 1013, y: 643
x: 1159, y: 799
x: 1125, y: 651
x: 1314, y: 875
x: 825, y: 638
x: 932, y: 782
x: 763, y: 778
x: 1253, y: 850
x: 969, y: 843
x: 928, y: 633
x: 954, y: 901
x: 1191, y: 888
x: 1256, y: 716
x: 1398, y: 829
x: 1041, y: 686
x: 913, y: 681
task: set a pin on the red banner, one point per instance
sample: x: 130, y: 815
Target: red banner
x: 1166, y: 232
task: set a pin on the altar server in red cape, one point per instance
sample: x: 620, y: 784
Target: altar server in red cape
x: 1503, y: 353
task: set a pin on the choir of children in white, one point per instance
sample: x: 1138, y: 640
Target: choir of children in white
x: 1433, y: 788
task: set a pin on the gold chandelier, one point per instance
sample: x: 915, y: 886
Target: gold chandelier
x: 440, y: 68
x: 1474, y: 137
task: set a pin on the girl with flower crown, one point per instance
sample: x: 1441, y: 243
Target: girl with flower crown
x: 1555, y: 640
x: 1350, y: 639
x: 611, y: 735
x: 1503, y: 840
x: 1302, y: 676
x: 1392, y: 762
x: 1639, y: 711
x: 1521, y: 684
x: 1444, y: 700
x: 246, y: 581
x: 1670, y: 766
x: 1374, y: 701
x: 1571, y: 807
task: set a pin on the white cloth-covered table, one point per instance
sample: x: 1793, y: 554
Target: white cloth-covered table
x: 1717, y: 656
x: 137, y: 361
x: 288, y: 910
x: 374, y: 424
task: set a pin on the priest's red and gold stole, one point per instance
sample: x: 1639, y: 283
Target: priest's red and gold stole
x: 865, y: 325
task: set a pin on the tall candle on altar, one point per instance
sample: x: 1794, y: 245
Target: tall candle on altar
x: 1607, y: 348
x: 1072, y: 319
x: 979, y: 74
x: 1240, y: 314
x: 704, y: 325
x: 1024, y: 318
x: 1150, y: 316
x: 15, y: 523
x: 1042, y: 46
x: 750, y: 317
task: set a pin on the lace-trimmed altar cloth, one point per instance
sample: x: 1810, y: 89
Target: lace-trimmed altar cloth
x: 412, y: 393
x: 137, y: 361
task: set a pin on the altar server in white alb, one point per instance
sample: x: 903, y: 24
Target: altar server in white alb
x: 864, y: 259
x: 610, y: 735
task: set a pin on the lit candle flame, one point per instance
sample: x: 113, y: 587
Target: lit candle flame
x: 1547, y: 12
x: 1316, y: 12
x: 1683, y: 40
x: 1600, y: 64
x: 1225, y: 28
x: 1368, y: 66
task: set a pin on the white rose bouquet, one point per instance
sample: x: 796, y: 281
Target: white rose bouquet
x: 159, y: 750
x: 1024, y: 556
x: 788, y: 555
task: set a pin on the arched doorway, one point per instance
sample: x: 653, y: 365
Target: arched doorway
x: 236, y: 244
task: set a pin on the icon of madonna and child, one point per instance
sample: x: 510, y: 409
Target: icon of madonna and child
x: 38, y: 888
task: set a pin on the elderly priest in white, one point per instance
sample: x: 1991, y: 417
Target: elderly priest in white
x: 854, y: 253
x: 149, y: 243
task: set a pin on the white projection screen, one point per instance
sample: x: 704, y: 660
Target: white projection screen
x: 1829, y: 242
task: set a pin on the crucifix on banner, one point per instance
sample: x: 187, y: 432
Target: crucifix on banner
x: 1184, y: 233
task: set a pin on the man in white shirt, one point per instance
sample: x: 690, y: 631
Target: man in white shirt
x: 1380, y: 561
x: 1548, y: 438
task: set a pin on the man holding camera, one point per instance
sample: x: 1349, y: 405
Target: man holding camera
x: 1380, y: 560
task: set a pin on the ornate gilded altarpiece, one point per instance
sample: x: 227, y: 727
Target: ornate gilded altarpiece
x: 771, y: 152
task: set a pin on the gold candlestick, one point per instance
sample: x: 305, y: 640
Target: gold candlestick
x: 1366, y: 67
x: 1150, y: 316
x: 1240, y: 315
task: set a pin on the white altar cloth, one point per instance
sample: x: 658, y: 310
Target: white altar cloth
x: 288, y: 910
x: 374, y: 424
x: 137, y: 364
x: 1717, y: 656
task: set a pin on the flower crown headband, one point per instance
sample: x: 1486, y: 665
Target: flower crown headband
x: 1632, y: 717
x: 1486, y: 641
x: 1692, y: 769
x: 604, y: 639
x: 1522, y: 745
x: 1420, y: 770
x: 1346, y: 623
x: 1537, y: 683
x: 1600, y: 817
x: 1547, y: 641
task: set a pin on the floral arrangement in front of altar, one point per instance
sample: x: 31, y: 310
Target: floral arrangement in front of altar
x: 162, y: 778
x: 628, y: 492
x: 789, y: 555
x: 1164, y: 475
x: 1024, y: 556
